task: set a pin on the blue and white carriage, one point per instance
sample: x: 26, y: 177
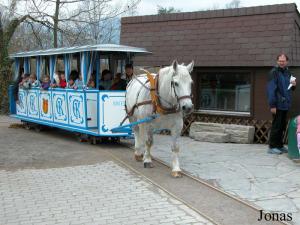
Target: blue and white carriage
x: 88, y: 111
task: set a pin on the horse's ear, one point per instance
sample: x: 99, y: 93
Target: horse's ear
x: 190, y: 66
x: 175, y: 65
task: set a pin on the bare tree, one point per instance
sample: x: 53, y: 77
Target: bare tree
x: 102, y: 24
x: 86, y: 16
x: 233, y: 4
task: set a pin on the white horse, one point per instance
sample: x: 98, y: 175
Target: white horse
x: 174, y: 91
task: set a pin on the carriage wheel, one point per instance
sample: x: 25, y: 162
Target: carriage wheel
x: 83, y: 137
x: 93, y: 140
x: 38, y: 128
x: 27, y: 126
x: 115, y: 139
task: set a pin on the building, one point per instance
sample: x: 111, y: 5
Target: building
x: 233, y: 50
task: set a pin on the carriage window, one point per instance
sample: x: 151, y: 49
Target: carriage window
x: 60, y: 64
x: 121, y: 66
x: 225, y: 91
x: 46, y: 63
x: 32, y: 66
x: 104, y: 64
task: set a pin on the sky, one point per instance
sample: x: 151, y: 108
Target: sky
x: 148, y: 7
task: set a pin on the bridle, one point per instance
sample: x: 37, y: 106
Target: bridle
x: 155, y: 96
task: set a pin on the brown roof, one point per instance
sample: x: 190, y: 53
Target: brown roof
x: 251, y: 36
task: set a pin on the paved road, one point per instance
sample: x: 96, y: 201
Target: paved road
x: 48, y: 178
x: 271, y: 182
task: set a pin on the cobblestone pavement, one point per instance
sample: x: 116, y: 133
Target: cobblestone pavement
x: 270, y: 181
x: 103, y: 193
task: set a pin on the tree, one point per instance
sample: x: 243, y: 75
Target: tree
x: 233, y: 4
x: 165, y: 10
x: 59, y: 20
x: 87, y: 15
x: 9, y: 22
x: 102, y: 24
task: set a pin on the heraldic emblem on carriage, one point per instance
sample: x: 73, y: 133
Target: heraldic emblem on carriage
x: 45, y: 106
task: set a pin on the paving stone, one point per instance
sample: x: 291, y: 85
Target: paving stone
x: 97, y: 194
x: 244, y: 170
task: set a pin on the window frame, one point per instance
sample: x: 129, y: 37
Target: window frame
x: 196, y: 91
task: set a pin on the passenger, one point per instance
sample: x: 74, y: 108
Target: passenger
x: 56, y: 79
x: 62, y: 82
x: 74, y: 75
x: 79, y: 83
x: 20, y: 84
x: 71, y: 83
x: 118, y: 83
x: 17, y: 85
x: 46, y: 83
x: 33, y: 81
x: 128, y: 72
x: 25, y: 83
x: 106, y: 80
x: 91, y: 83
x: 16, y: 88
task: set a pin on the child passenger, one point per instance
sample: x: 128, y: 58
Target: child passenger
x: 33, y: 81
x: 106, y: 80
x: 25, y: 83
x: 46, y: 83
x: 62, y: 82
x: 71, y: 83
x: 91, y: 83
x: 79, y: 83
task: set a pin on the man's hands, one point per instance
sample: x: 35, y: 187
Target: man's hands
x: 293, y: 83
x: 273, y: 110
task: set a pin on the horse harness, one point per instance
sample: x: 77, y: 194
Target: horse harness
x: 155, y: 98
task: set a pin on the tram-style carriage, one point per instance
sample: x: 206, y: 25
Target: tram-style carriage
x: 88, y: 110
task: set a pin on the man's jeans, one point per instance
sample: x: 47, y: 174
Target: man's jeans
x: 277, y: 129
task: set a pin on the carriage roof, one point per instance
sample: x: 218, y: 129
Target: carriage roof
x: 112, y: 48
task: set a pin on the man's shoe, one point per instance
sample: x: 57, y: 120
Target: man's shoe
x: 283, y: 149
x: 274, y: 151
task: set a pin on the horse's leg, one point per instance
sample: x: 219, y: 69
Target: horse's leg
x: 149, y: 143
x: 138, y: 153
x: 175, y: 151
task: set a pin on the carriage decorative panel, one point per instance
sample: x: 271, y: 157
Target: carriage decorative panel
x: 33, y: 103
x: 92, y: 106
x: 60, y: 109
x: 77, y: 109
x: 112, y: 110
x: 45, y: 105
x: 22, y: 104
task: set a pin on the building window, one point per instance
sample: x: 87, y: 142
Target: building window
x: 225, y: 91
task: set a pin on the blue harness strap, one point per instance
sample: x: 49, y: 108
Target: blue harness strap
x: 127, y: 128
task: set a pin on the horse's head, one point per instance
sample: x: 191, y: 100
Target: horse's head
x: 182, y: 85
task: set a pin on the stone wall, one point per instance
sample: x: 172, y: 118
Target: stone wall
x: 222, y: 133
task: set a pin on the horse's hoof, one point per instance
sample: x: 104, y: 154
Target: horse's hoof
x: 176, y: 174
x: 139, y: 158
x: 148, y: 165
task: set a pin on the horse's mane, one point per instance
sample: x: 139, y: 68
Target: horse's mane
x: 179, y: 72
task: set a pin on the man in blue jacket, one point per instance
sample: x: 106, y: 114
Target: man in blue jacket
x: 279, y: 98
